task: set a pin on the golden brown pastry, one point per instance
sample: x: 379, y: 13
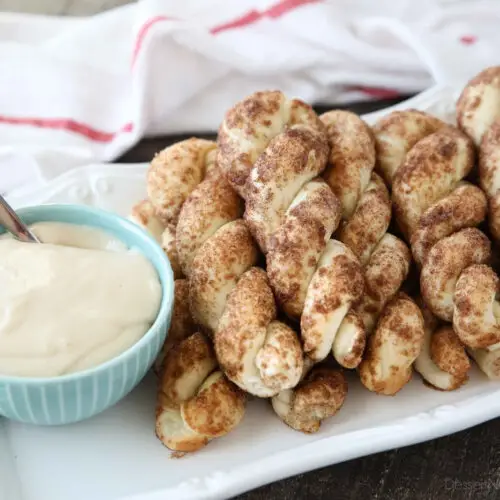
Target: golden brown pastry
x: 292, y: 213
x: 478, y: 115
x: 366, y: 212
x: 273, y: 151
x: 196, y: 214
x: 196, y: 402
x: 182, y: 324
x: 250, y: 125
x: 437, y: 210
x: 478, y: 106
x: 211, y: 245
x: 365, y: 217
x: 443, y: 361
x: 433, y: 169
x: 396, y: 133
x: 144, y: 214
x: 320, y: 395
x: 175, y: 172
x: 393, y: 347
x: 231, y: 298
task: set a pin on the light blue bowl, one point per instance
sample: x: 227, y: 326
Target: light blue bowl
x: 78, y: 396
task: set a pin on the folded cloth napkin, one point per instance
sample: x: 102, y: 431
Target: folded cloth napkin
x: 81, y: 90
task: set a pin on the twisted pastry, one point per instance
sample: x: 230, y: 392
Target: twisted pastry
x: 430, y: 159
x: 175, y: 172
x: 172, y: 175
x: 196, y: 403
x: 478, y: 113
x: 366, y: 214
x: 433, y: 169
x: 458, y: 287
x: 437, y: 210
x: 478, y: 106
x: 391, y: 351
x: 250, y: 125
x: 144, y: 214
x: 273, y: 150
x: 442, y: 361
x: 181, y: 325
x: 230, y: 299
x: 292, y: 214
x: 319, y: 395
x: 396, y: 133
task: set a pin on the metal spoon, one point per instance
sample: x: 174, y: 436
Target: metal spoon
x: 10, y: 220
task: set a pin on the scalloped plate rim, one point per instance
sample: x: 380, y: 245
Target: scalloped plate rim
x: 316, y: 455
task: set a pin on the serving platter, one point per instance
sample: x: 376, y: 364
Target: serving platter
x: 116, y: 456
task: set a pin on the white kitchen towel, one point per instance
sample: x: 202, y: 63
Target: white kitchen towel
x: 75, y: 91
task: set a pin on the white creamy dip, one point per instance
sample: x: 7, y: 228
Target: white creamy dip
x: 79, y: 299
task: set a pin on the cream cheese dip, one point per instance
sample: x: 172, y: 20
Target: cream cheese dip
x: 79, y: 299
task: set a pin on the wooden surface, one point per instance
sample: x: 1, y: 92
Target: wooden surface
x: 464, y: 466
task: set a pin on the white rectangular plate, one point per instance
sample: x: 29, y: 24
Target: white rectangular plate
x: 116, y: 456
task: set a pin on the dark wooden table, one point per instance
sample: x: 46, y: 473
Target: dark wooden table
x: 463, y: 466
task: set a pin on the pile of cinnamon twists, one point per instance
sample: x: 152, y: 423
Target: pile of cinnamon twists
x: 287, y: 271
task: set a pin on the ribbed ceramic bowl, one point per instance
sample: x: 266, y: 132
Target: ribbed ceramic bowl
x: 75, y: 397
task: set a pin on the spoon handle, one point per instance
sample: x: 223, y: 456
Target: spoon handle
x: 13, y: 224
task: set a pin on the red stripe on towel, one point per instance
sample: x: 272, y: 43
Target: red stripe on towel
x: 275, y: 11
x: 141, y: 35
x: 378, y: 93
x: 69, y: 125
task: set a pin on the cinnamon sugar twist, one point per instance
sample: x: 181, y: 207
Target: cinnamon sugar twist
x: 273, y: 151
x: 196, y: 402
x: 182, y: 325
x: 366, y: 215
x: 443, y: 361
x: 478, y: 115
x: 229, y: 297
x: 144, y: 214
x: 172, y: 175
x: 292, y: 214
x: 437, y: 210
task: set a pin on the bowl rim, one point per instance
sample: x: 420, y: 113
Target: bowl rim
x: 166, y: 304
